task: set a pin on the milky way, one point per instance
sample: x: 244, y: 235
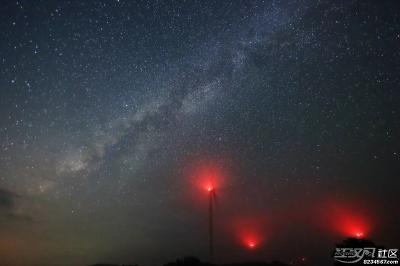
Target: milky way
x: 106, y: 106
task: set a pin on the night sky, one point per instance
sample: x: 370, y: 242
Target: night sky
x: 114, y: 113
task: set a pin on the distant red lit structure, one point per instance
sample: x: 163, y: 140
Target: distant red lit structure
x: 206, y: 176
x: 251, y: 244
x: 250, y: 241
x: 359, y: 234
x: 250, y: 232
x: 211, y: 198
x: 353, y: 226
x: 209, y: 177
x: 348, y: 219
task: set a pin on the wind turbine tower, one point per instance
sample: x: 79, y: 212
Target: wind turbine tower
x: 211, y: 197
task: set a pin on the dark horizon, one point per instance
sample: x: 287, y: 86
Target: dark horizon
x: 116, y: 116
x: 350, y: 242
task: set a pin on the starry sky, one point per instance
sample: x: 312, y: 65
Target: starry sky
x: 110, y: 111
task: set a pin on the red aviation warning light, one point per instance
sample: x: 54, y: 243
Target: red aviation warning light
x: 354, y: 226
x: 347, y: 218
x: 359, y: 234
x: 251, y: 244
x: 250, y: 232
x: 250, y: 241
x: 206, y: 176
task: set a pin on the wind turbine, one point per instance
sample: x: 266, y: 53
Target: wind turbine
x: 211, y: 198
x: 209, y: 178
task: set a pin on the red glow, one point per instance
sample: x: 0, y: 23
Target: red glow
x: 204, y: 177
x: 351, y: 225
x: 209, y: 181
x: 208, y: 177
x: 251, y: 244
x: 359, y: 234
x: 348, y: 220
x: 251, y: 240
x: 250, y: 232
